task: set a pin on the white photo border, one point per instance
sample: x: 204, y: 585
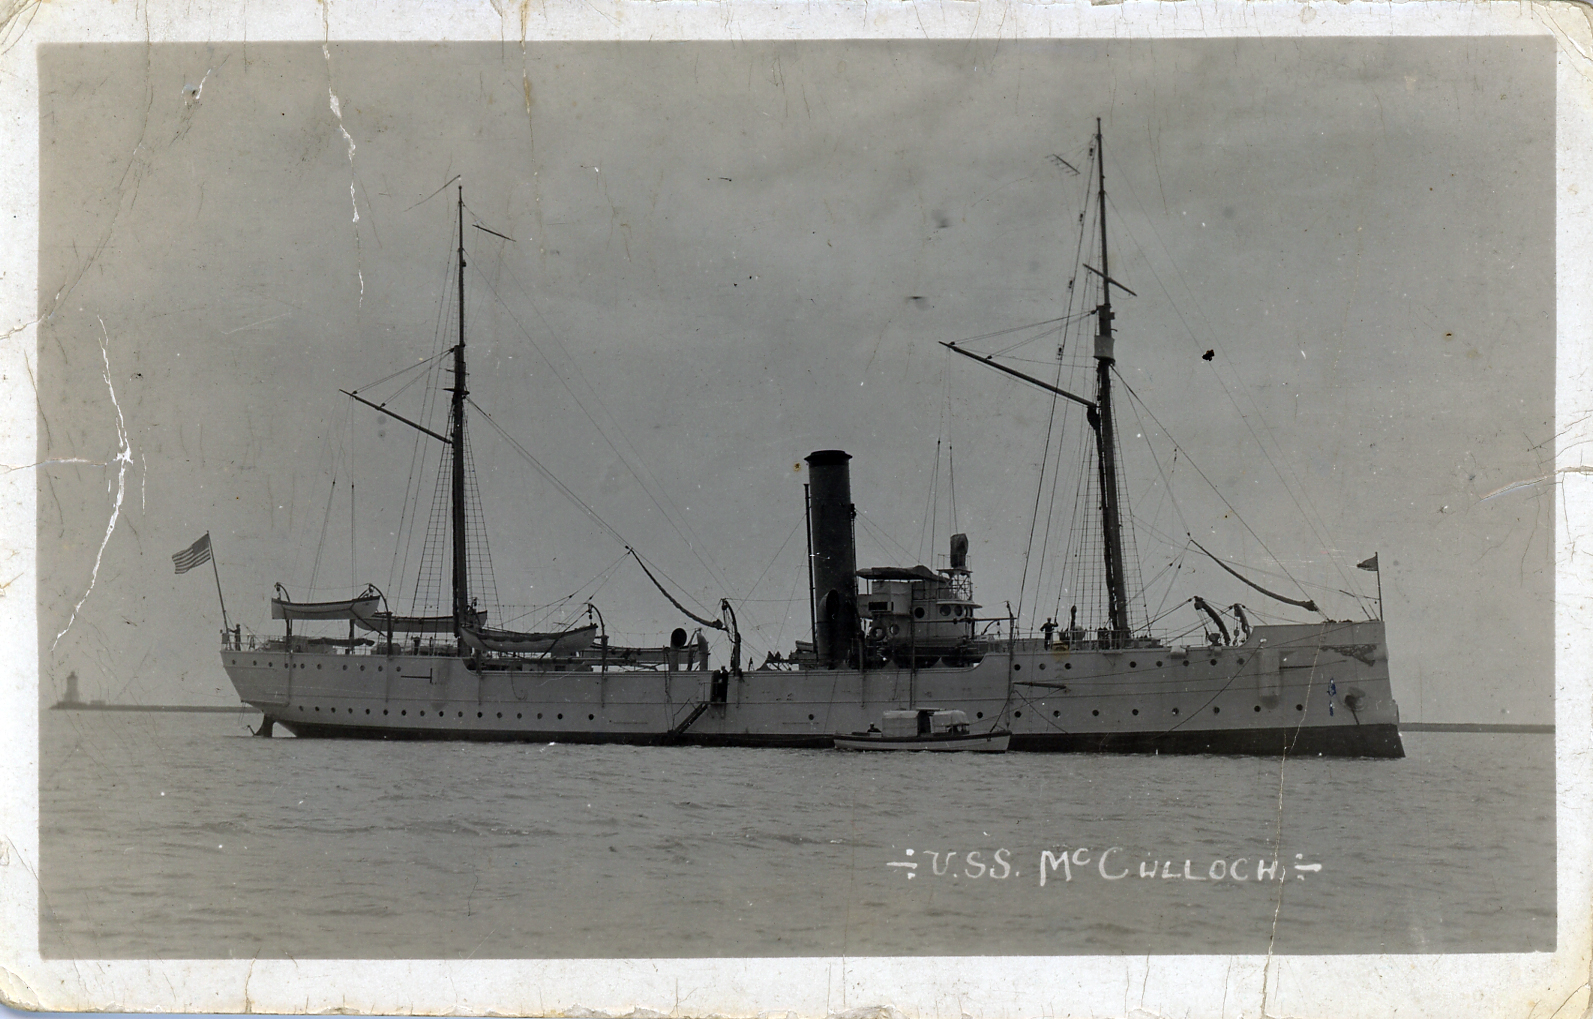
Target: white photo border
x: 1450, y: 986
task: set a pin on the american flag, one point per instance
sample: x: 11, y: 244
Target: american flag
x: 196, y: 554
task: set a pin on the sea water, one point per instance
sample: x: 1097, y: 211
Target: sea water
x: 181, y: 836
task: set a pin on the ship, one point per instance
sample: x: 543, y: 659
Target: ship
x: 915, y: 636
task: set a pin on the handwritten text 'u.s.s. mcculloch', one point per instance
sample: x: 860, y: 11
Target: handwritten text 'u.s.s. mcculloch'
x: 1111, y: 864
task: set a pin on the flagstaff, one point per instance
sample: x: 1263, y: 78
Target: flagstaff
x: 198, y: 554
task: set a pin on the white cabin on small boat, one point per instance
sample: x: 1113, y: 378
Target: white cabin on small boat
x: 923, y: 722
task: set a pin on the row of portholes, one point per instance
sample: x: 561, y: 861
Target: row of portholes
x: 272, y: 665
x: 405, y: 712
x: 945, y: 610
x: 1017, y: 666
x: 1216, y: 710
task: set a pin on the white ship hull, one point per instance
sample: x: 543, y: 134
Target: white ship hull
x: 1297, y: 689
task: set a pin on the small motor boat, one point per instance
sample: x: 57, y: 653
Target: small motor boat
x: 925, y: 729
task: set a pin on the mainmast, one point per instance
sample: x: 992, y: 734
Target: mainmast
x: 1105, y: 439
x: 457, y: 440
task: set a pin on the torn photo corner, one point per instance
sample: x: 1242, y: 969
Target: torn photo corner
x: 645, y: 510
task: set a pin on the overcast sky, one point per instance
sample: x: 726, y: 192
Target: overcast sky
x: 727, y: 256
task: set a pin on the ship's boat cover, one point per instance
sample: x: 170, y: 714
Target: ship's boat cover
x: 568, y: 642
x: 385, y: 622
x: 363, y: 612
x: 351, y: 608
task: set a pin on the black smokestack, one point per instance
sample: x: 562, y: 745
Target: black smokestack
x: 834, y: 572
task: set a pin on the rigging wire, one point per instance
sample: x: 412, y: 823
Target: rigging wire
x: 1191, y: 461
x: 931, y: 504
x: 1308, y: 511
x: 951, y: 477
x: 882, y: 536
x: 682, y: 528
x: 1013, y: 329
x: 1052, y: 424
x: 420, y: 455
x: 770, y: 565
x: 315, y: 568
x: 414, y: 367
x: 545, y: 609
x: 564, y: 489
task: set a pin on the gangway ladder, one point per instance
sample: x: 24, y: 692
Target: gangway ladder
x: 678, y: 730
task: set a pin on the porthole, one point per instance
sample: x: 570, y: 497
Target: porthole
x: 1258, y: 707
x: 234, y: 661
x: 957, y: 610
x: 1186, y: 663
x: 362, y: 668
x: 318, y: 707
x: 1241, y: 661
x: 255, y: 662
x: 1067, y: 665
x: 1158, y: 665
x: 945, y: 610
x: 378, y: 668
x: 1094, y: 712
x: 478, y: 715
x: 591, y: 717
x: 1042, y: 666
x: 1017, y: 714
x: 1133, y: 665
x: 1175, y: 711
x: 345, y: 668
x: 406, y: 711
x: 895, y: 629
x: 810, y: 718
x: 918, y: 613
x: 1136, y: 711
x: 1054, y: 714
x: 1214, y: 661
x: 1216, y: 710
x: 1016, y: 667
x: 519, y: 715
x: 271, y: 665
x: 539, y: 714
x: 301, y: 707
x: 561, y: 716
x: 384, y: 711
x: 979, y: 714
x: 318, y: 666
x: 461, y: 714
x: 423, y: 714
x: 1299, y: 707
x: 500, y: 714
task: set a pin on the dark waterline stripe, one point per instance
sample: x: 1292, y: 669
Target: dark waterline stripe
x: 1474, y: 727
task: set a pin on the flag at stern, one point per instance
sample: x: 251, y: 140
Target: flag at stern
x: 196, y: 554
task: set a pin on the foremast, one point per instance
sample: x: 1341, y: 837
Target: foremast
x: 1099, y: 414
x: 456, y: 436
x: 1105, y: 430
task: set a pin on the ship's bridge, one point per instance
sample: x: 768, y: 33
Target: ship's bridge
x: 919, y: 605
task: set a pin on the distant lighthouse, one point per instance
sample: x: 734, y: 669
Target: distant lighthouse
x: 72, y: 699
